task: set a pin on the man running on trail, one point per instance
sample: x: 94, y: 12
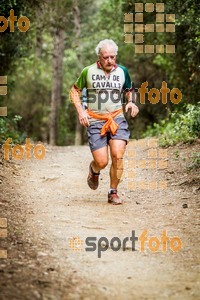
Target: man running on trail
x: 105, y: 82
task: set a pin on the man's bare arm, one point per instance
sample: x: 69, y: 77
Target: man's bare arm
x: 75, y: 97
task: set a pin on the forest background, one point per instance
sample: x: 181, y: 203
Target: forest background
x: 42, y: 64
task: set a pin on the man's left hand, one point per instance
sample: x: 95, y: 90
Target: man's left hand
x: 134, y: 109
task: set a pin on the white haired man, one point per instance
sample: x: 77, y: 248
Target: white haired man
x: 105, y: 82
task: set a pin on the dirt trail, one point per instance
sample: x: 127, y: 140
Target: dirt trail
x: 54, y: 204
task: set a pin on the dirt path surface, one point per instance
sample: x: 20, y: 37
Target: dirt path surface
x: 47, y: 204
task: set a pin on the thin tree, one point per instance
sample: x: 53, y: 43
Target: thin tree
x: 56, y: 94
x: 77, y: 29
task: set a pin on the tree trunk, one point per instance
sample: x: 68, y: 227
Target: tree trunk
x: 79, y: 133
x: 76, y: 13
x: 56, y: 93
x: 39, y: 29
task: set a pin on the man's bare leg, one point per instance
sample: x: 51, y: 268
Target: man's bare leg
x: 117, y: 149
x: 100, y: 162
x: 100, y: 159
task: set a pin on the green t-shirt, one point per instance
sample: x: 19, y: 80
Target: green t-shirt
x: 104, y: 92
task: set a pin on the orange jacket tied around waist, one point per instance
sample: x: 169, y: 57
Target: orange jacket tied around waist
x: 110, y: 124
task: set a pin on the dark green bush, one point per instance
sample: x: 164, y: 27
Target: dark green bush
x: 181, y: 126
x: 8, y: 129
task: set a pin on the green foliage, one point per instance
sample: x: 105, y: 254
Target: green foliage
x: 32, y: 90
x: 14, y: 45
x: 195, y: 161
x: 182, y: 68
x: 179, y: 127
x: 66, y: 125
x: 9, y: 129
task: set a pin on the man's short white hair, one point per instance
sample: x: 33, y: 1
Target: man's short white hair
x: 104, y: 44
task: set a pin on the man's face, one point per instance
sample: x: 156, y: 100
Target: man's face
x: 107, y: 58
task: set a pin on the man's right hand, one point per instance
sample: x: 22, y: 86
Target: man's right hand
x: 83, y: 118
x: 76, y: 100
